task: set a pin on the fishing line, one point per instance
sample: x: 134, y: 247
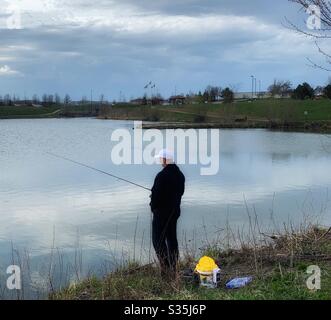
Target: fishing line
x: 108, y: 174
x: 98, y: 170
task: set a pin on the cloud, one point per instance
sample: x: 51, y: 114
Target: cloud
x: 7, y: 71
x: 115, y: 46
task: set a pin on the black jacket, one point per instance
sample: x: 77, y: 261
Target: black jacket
x: 168, y: 189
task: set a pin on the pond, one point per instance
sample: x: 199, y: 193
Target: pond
x: 59, y: 217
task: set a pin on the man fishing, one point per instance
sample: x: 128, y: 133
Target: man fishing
x: 166, y: 196
x: 167, y: 192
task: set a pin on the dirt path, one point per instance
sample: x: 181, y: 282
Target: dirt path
x: 52, y: 113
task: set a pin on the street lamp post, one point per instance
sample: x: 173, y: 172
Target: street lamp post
x: 252, y: 86
x: 255, y: 87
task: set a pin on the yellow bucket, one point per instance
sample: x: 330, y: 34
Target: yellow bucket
x: 208, y: 271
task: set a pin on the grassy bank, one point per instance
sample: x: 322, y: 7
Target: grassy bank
x: 283, y: 114
x: 12, y: 112
x: 278, y: 265
x: 27, y: 112
x: 277, y: 114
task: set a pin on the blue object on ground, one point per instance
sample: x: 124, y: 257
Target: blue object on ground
x: 238, y: 282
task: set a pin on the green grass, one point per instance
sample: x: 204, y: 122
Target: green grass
x: 282, y: 109
x: 27, y: 112
x: 259, y: 110
x: 46, y: 112
x: 290, y: 284
x: 289, y: 109
x: 278, y: 271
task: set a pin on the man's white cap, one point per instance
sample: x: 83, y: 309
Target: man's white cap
x: 165, y: 154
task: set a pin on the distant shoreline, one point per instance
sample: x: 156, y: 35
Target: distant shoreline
x: 310, y: 127
x: 272, y: 114
x: 318, y: 127
x: 43, y: 116
x: 313, y: 126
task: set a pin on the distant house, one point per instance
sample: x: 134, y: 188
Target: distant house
x: 76, y: 103
x: 157, y: 101
x: 319, y: 92
x: 281, y: 96
x: 257, y: 95
x: 243, y: 95
x: 139, y: 101
x: 23, y: 103
x: 176, y: 100
x: 144, y: 101
x: 19, y: 104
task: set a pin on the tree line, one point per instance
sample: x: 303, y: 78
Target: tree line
x: 279, y: 88
x: 302, y: 91
x: 45, y: 100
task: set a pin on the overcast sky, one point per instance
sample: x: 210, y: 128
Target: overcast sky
x: 112, y: 46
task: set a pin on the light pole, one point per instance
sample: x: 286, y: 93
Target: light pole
x: 252, y: 86
x: 91, y: 100
x: 255, y: 82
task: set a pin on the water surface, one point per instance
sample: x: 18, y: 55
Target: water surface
x: 93, y: 219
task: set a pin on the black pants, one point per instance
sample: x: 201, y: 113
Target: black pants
x: 164, y: 235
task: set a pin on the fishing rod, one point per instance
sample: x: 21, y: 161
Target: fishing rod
x: 98, y: 170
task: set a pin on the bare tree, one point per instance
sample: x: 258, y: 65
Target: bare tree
x: 84, y: 100
x: 281, y: 88
x: 16, y: 98
x: 67, y: 99
x: 319, y: 10
x: 102, y: 98
x: 212, y: 93
x: 50, y: 99
x: 35, y: 99
x: 7, y: 100
x: 57, y: 99
x: 44, y: 99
